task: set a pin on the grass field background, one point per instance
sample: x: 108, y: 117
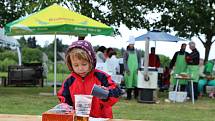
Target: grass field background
x: 50, y: 77
x: 28, y: 100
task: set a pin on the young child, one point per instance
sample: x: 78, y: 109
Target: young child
x: 81, y: 61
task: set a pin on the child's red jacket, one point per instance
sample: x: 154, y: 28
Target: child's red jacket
x: 75, y: 84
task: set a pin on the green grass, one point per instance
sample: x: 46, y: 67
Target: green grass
x: 60, y: 76
x: 26, y: 100
x: 50, y: 78
x: 3, y: 74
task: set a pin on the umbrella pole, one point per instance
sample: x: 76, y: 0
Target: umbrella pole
x: 55, y: 62
x: 146, y: 60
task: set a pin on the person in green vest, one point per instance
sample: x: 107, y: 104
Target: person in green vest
x: 132, y: 62
x: 193, y: 68
x: 208, y: 77
x: 209, y: 67
x: 180, y: 66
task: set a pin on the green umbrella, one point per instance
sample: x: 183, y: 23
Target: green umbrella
x: 56, y: 19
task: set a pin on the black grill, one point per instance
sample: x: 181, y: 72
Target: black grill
x: 26, y: 74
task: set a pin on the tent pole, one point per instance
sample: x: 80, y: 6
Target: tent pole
x: 146, y: 59
x: 19, y: 55
x: 55, y: 63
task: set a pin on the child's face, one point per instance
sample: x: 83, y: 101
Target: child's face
x: 80, y: 66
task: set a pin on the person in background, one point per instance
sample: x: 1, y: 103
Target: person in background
x: 154, y: 60
x: 209, y: 67
x: 132, y: 62
x: 180, y: 66
x: 165, y: 79
x: 192, y: 60
x: 201, y: 68
x: 81, y: 37
x: 81, y: 61
x: 100, y: 54
x: 206, y: 76
x: 109, y: 50
x: 113, y: 63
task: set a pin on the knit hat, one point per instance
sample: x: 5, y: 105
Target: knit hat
x: 86, y: 46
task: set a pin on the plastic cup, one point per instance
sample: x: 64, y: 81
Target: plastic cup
x: 82, y: 107
x: 99, y: 92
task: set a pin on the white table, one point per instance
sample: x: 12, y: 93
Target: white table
x: 188, y: 78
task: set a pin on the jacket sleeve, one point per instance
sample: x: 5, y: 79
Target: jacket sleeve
x: 64, y: 92
x: 172, y: 63
x: 114, y: 93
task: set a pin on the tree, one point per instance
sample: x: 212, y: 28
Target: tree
x: 22, y: 41
x: 11, y: 10
x: 110, y: 12
x: 188, y: 18
x: 7, y: 58
x: 31, y: 55
x: 31, y: 42
x: 48, y: 49
x: 60, y: 46
x: 164, y: 60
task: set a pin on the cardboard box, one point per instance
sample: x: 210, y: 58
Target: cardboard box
x: 46, y: 116
x: 177, y: 96
x: 210, y: 89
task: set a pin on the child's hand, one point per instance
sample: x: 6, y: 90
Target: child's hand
x: 103, y: 87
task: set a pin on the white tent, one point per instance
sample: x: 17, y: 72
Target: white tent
x: 10, y: 42
x: 6, y: 41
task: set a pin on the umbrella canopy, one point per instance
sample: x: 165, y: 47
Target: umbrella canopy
x: 156, y: 35
x: 59, y: 20
x: 56, y: 19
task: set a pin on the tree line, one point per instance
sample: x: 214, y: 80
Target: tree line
x: 33, y: 53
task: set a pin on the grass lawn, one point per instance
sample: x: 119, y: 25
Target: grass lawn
x: 26, y: 100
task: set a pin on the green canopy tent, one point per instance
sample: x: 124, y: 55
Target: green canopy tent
x: 55, y: 20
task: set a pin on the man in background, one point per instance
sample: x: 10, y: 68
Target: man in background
x: 132, y: 62
x: 154, y: 60
x: 193, y: 68
x: 180, y: 66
